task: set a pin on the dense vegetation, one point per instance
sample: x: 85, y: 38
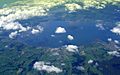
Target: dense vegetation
x: 18, y: 58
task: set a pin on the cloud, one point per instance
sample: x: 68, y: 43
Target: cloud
x: 23, y: 29
x: 7, y: 23
x: 21, y: 12
x: 13, y: 34
x: 41, y: 66
x: 52, y: 35
x: 80, y: 68
x: 38, y: 30
x: 90, y: 61
x: 70, y: 37
x: 71, y: 48
x: 114, y: 53
x: 109, y: 39
x: 72, y: 7
x: 116, y: 41
x: 60, y: 30
x: 116, y: 30
x: 12, y: 26
x: 9, y: 17
x: 35, y: 31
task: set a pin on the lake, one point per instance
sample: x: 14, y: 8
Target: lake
x: 85, y: 26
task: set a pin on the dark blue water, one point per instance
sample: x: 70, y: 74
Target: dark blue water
x: 81, y: 25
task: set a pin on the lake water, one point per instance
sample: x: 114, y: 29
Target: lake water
x: 81, y: 25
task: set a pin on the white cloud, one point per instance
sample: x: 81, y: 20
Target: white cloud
x: 114, y: 53
x: 15, y: 13
x: 72, y: 7
x: 70, y: 37
x: 23, y: 29
x: 90, y: 61
x: 11, y: 26
x: 116, y: 41
x: 35, y: 31
x: 80, y: 68
x: 60, y: 30
x: 116, y: 29
x: 10, y: 15
x: 8, y: 24
x: 40, y: 28
x: 52, y: 35
x: 13, y: 34
x: 109, y: 39
x: 72, y: 48
x: 42, y: 66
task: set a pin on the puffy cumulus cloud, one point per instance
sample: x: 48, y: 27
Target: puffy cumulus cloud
x: 39, y: 7
x: 35, y: 31
x: 114, y: 53
x: 10, y: 15
x: 109, y: 39
x: 97, y: 4
x: 72, y: 7
x: 18, y: 14
x: 38, y: 30
x: 14, y: 26
x: 116, y: 29
x: 60, y: 30
x: 13, y: 34
x: 22, y: 12
x: 11, y: 26
x: 72, y: 48
x: 116, y: 41
x: 70, y: 37
x: 7, y: 23
x: 27, y: 9
x: 23, y: 29
x: 90, y: 61
x: 42, y: 66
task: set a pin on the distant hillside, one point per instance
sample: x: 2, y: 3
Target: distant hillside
x: 86, y: 3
